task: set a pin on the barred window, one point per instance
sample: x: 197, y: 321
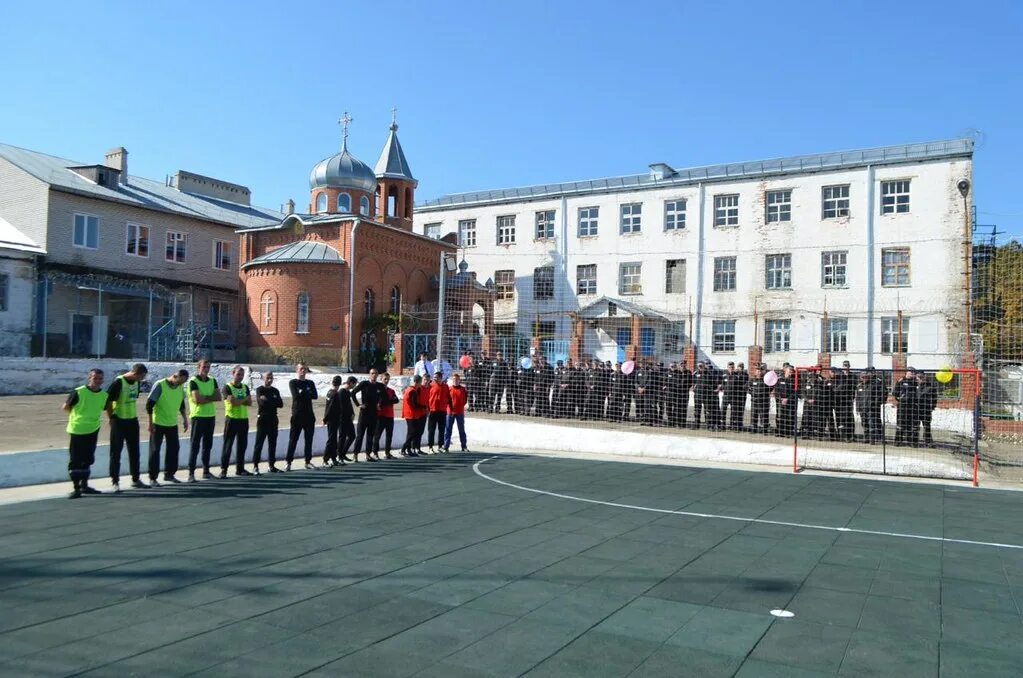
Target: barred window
x: 779, y: 206
x: 724, y: 274
x: 545, y: 225
x: 505, y: 284
x: 835, y: 201
x: 543, y: 283
x: 779, y: 271
x: 675, y: 276
x: 833, y: 267
x: 726, y: 210
x: 586, y: 279
x: 895, y: 197
x: 629, y: 278
x: 674, y: 215
x: 723, y: 336
x: 835, y: 334
x: 895, y: 267
x: 890, y: 335
x: 302, y: 315
x: 588, y: 221
x: 776, y: 336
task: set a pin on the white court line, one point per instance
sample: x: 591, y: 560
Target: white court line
x: 762, y: 521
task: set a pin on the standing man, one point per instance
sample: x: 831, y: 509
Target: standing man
x: 423, y: 365
x: 410, y: 409
x: 500, y: 381
x: 870, y: 414
x: 729, y: 386
x: 347, y: 430
x: 122, y: 409
x: 303, y: 419
x: 457, y: 397
x: 237, y: 400
x: 202, y: 401
x: 927, y: 400
x: 760, y: 401
x: 844, y: 395
x: 542, y: 382
x: 372, y: 394
x: 786, y: 401
x: 438, y: 403
x: 84, y: 406
x: 166, y: 400
x: 385, y: 418
x: 423, y: 411
x: 905, y: 394
x: 332, y: 420
x: 617, y: 398
x: 268, y: 400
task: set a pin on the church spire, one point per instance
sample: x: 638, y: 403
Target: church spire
x: 392, y: 163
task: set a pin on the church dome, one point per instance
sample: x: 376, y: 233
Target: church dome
x: 343, y: 171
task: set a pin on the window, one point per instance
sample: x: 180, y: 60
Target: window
x: 543, y: 283
x: 222, y: 255
x: 895, y: 197
x: 544, y: 328
x: 506, y: 230
x: 724, y: 274
x: 364, y: 206
x: 137, y: 244
x: 586, y: 279
x: 321, y: 202
x: 612, y: 311
x: 545, y: 225
x: 632, y: 217
x: 369, y: 300
x: 432, y: 231
x: 779, y: 206
x: 344, y: 203
x: 890, y: 335
x: 779, y: 271
x: 175, y: 247
x: 723, y: 336
x: 835, y: 201
x: 86, y: 231
x: 895, y: 267
x: 629, y: 278
x: 726, y: 210
x: 302, y: 316
x: 588, y: 221
x: 674, y: 215
x: 467, y: 233
x: 776, y: 336
x: 266, y: 305
x: 675, y: 276
x: 673, y: 333
x: 396, y: 301
x: 505, y: 329
x: 5, y: 287
x: 220, y: 316
x: 835, y: 334
x: 833, y: 268
x: 505, y: 282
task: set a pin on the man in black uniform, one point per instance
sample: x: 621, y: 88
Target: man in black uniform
x: 905, y: 394
x: 603, y: 390
x: 591, y: 392
x: 844, y: 394
x: 268, y: 400
x: 481, y: 374
x: 658, y: 384
x: 618, y: 397
x: 470, y: 375
x: 332, y: 420
x: 926, y: 401
x: 303, y: 419
x: 869, y: 399
x: 372, y: 393
x: 644, y: 394
x: 576, y: 389
x: 122, y: 409
x: 760, y: 401
x: 346, y: 433
x: 812, y: 421
x: 702, y: 384
x: 542, y: 382
x: 733, y: 390
x: 559, y: 395
x: 500, y: 383
x: 786, y: 402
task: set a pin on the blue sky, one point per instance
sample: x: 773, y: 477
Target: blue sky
x: 497, y: 94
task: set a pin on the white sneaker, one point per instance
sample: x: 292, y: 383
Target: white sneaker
x: 191, y: 478
x: 116, y: 488
x: 309, y: 466
x: 153, y: 482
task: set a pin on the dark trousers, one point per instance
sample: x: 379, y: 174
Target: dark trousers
x: 124, y: 432
x: 413, y: 432
x: 786, y: 418
x: 300, y: 426
x: 161, y: 434
x: 844, y: 419
x: 266, y: 430
x: 81, y: 454
x: 346, y: 437
x: 759, y: 412
x: 202, y: 436
x: 385, y: 427
x: 366, y: 432
x: 905, y: 421
x: 925, y: 425
x: 333, y: 431
x: 736, y: 413
x: 435, y: 424
x: 496, y: 396
x: 236, y: 435
x: 543, y: 401
x: 703, y: 407
x: 873, y: 426
x: 616, y: 407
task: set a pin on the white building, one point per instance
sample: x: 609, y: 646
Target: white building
x: 732, y: 256
x: 18, y: 255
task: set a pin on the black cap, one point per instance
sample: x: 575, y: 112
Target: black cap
x: 870, y: 369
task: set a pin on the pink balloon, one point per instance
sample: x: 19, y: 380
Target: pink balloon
x: 628, y: 366
x: 771, y: 378
x: 465, y: 362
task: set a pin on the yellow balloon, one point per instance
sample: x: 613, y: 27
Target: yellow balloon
x: 944, y: 375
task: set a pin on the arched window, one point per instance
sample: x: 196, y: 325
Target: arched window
x: 395, y: 300
x: 321, y: 202
x: 364, y: 206
x: 344, y: 203
x: 302, y: 316
x: 368, y: 302
x: 267, y: 312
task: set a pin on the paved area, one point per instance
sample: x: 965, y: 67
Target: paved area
x: 426, y: 567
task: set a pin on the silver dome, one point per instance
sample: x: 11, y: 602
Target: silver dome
x: 343, y: 171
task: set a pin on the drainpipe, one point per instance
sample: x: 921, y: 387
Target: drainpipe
x: 564, y: 258
x: 870, y: 265
x: 351, y: 291
x: 700, y: 252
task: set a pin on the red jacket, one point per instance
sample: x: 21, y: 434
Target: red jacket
x: 386, y: 408
x: 456, y: 400
x: 423, y: 402
x: 410, y: 403
x: 439, y: 397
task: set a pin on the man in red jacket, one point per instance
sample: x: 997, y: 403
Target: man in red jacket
x: 438, y: 410
x: 422, y: 413
x: 457, y: 397
x: 410, y: 413
x: 385, y: 418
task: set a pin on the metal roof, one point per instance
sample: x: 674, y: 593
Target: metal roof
x: 599, y: 309
x: 13, y: 239
x: 800, y: 164
x: 343, y: 170
x: 301, y: 252
x: 392, y: 162
x: 140, y: 192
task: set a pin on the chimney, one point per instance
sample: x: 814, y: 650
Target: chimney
x: 117, y: 158
x: 289, y: 207
x: 660, y: 171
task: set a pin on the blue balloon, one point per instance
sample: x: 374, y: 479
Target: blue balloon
x: 526, y: 363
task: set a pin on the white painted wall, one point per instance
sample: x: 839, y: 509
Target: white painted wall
x: 16, y: 318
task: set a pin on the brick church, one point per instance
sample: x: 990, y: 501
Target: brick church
x: 311, y: 282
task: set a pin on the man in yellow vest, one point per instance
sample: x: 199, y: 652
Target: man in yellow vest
x: 166, y: 401
x: 237, y: 400
x: 84, y: 406
x: 123, y: 394
x: 203, y: 395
